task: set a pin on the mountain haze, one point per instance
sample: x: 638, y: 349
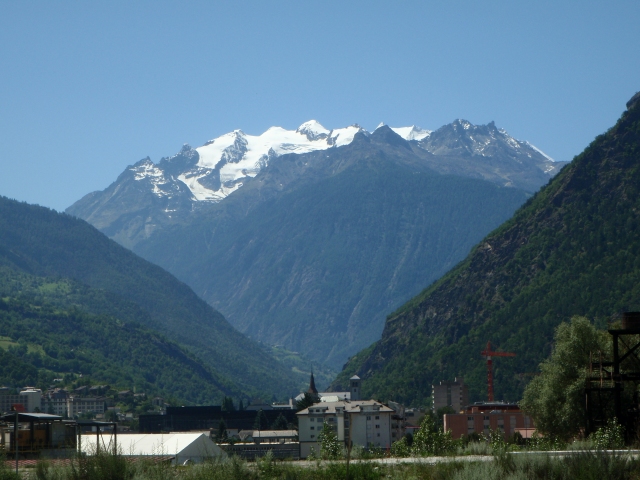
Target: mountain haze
x: 312, y: 248
x: 573, y: 249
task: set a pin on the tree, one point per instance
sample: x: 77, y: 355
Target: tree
x: 260, y: 421
x: 431, y: 439
x: 227, y: 404
x: 221, y: 434
x: 330, y: 447
x: 555, y: 398
x: 306, y: 401
x: 280, y: 423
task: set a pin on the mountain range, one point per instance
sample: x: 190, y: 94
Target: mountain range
x: 572, y: 249
x: 307, y: 239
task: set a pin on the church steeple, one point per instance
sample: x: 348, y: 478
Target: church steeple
x: 312, y: 385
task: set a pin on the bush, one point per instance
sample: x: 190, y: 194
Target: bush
x: 609, y: 437
x: 401, y: 448
x: 431, y: 440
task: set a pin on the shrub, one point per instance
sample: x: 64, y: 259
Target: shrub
x: 609, y: 437
x: 431, y: 440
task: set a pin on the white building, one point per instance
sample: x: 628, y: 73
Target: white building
x: 365, y: 422
x: 181, y: 447
x: 33, y: 398
x: 78, y: 405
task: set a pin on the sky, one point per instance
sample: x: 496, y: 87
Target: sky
x: 88, y: 88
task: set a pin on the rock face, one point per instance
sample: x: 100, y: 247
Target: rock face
x: 313, y: 248
x: 571, y: 250
x: 633, y: 101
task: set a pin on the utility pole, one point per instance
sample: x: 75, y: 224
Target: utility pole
x: 15, y: 438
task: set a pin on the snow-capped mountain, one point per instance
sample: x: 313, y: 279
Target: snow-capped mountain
x: 225, y: 162
x: 463, y: 138
x: 294, y: 233
x: 147, y: 196
x: 221, y: 166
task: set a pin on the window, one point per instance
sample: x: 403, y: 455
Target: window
x: 368, y: 417
x: 313, y: 436
x: 377, y: 426
x: 377, y: 417
x: 311, y: 419
x: 313, y: 428
x: 378, y: 434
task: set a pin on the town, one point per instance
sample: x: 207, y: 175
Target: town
x: 54, y: 422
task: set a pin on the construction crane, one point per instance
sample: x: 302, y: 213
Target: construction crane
x: 488, y: 353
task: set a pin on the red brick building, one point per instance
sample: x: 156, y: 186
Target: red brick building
x: 484, y: 417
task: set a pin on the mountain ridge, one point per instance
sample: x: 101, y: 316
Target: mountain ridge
x: 572, y: 249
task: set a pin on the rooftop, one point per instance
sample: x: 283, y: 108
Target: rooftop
x: 356, y: 406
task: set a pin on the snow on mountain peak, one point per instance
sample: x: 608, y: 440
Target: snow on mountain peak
x: 412, y: 132
x: 236, y: 155
x: 313, y: 130
x: 225, y: 163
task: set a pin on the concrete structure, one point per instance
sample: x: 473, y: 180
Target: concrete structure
x: 398, y: 421
x: 182, y: 447
x: 251, y: 451
x: 29, y: 399
x: 354, y: 387
x: 182, y: 419
x: 268, y: 436
x: 482, y: 418
x: 450, y: 394
x: 365, y: 422
x: 55, y: 402
x: 79, y: 405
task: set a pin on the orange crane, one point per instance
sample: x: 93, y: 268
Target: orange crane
x: 488, y: 353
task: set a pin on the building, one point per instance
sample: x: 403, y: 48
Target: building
x: 364, y: 422
x: 354, y: 387
x: 257, y: 443
x: 36, y: 432
x: 80, y: 405
x: 398, y: 421
x: 450, y: 394
x: 482, y: 418
x: 182, y: 419
x: 181, y: 448
x: 28, y: 400
x: 330, y: 396
x: 55, y: 402
x: 268, y: 436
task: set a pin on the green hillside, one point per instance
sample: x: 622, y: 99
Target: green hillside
x: 46, y: 333
x: 573, y: 249
x: 41, y: 242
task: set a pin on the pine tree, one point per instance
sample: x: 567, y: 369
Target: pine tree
x: 221, y: 435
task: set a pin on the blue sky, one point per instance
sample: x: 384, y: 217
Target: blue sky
x: 87, y: 88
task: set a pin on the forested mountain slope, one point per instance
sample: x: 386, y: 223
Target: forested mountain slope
x: 41, y: 242
x: 573, y: 249
x: 47, y: 331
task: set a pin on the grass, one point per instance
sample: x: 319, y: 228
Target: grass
x: 583, y: 465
